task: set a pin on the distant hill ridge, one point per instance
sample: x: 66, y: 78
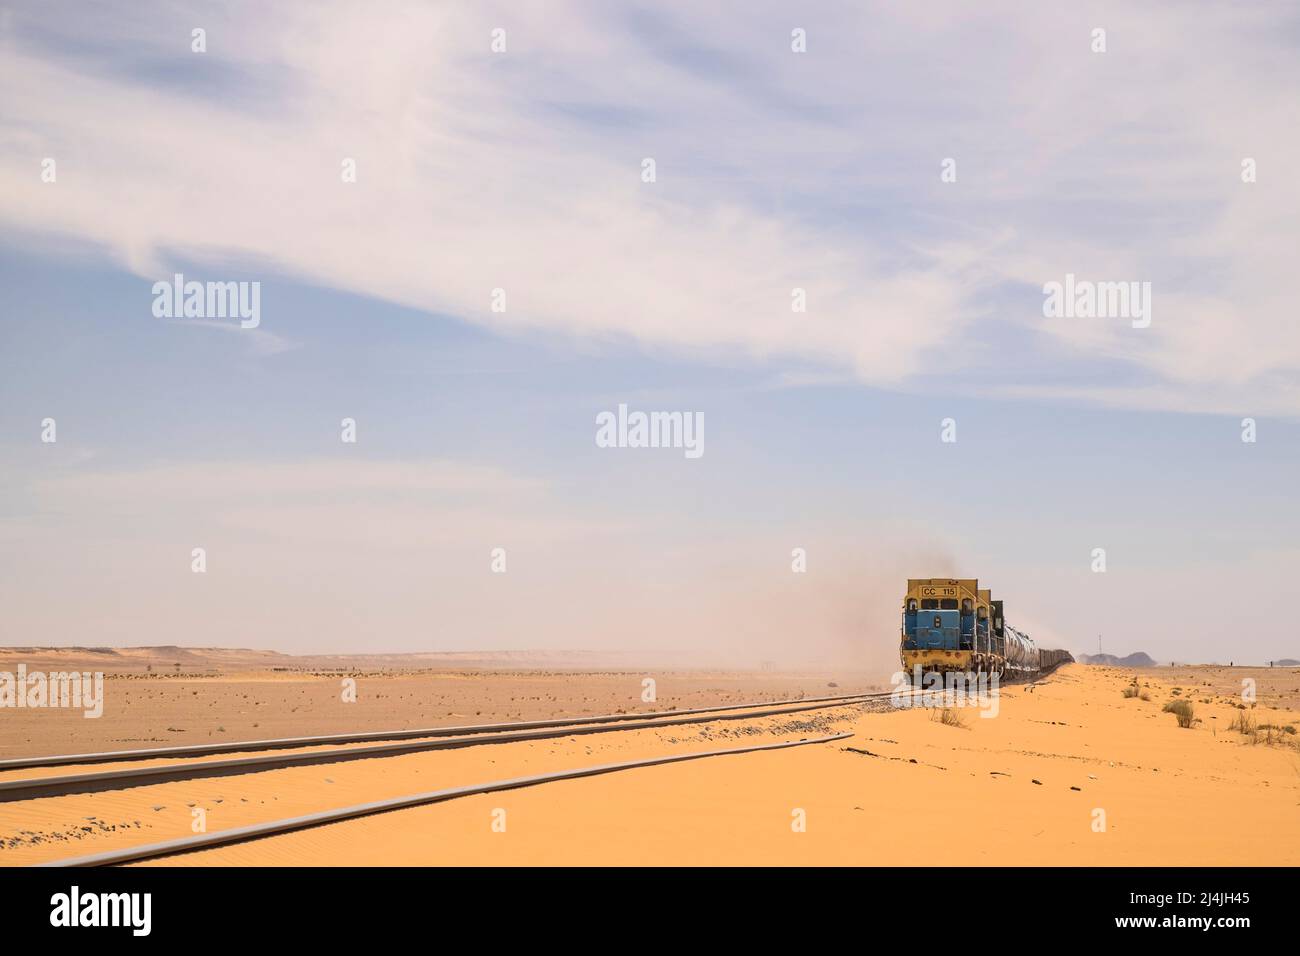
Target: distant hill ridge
x: 169, y: 657
x: 1139, y: 659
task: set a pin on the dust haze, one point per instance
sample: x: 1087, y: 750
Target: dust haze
x: 392, y: 557
x: 842, y: 613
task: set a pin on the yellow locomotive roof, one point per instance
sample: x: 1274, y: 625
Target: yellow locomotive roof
x: 969, y: 584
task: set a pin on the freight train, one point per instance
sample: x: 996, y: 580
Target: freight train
x: 952, y: 625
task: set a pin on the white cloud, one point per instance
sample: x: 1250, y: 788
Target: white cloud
x: 775, y: 170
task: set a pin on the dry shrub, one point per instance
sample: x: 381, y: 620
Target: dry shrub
x: 1243, y: 723
x: 1183, y: 710
x: 949, y: 717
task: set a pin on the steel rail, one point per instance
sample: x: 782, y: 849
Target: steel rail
x: 284, y: 743
x: 253, y: 831
x: 95, y: 782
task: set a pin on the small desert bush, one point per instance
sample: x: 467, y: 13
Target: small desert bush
x: 1273, y: 735
x: 1183, y: 710
x: 949, y: 717
x: 1243, y: 723
x: 1131, y: 690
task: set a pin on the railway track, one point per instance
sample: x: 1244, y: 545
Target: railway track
x: 398, y: 742
x: 430, y: 739
x: 240, y: 834
x: 281, y: 743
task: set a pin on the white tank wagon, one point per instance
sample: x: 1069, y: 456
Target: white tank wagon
x: 1021, y: 652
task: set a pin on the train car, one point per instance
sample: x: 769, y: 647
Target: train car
x: 939, y: 624
x: 952, y: 625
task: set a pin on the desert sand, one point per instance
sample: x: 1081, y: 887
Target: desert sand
x: 157, y: 697
x: 1070, y: 771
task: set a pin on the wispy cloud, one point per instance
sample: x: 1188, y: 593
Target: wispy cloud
x: 776, y: 170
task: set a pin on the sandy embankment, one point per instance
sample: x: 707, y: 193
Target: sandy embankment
x: 998, y: 791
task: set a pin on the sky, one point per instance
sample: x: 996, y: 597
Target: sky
x: 519, y: 174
